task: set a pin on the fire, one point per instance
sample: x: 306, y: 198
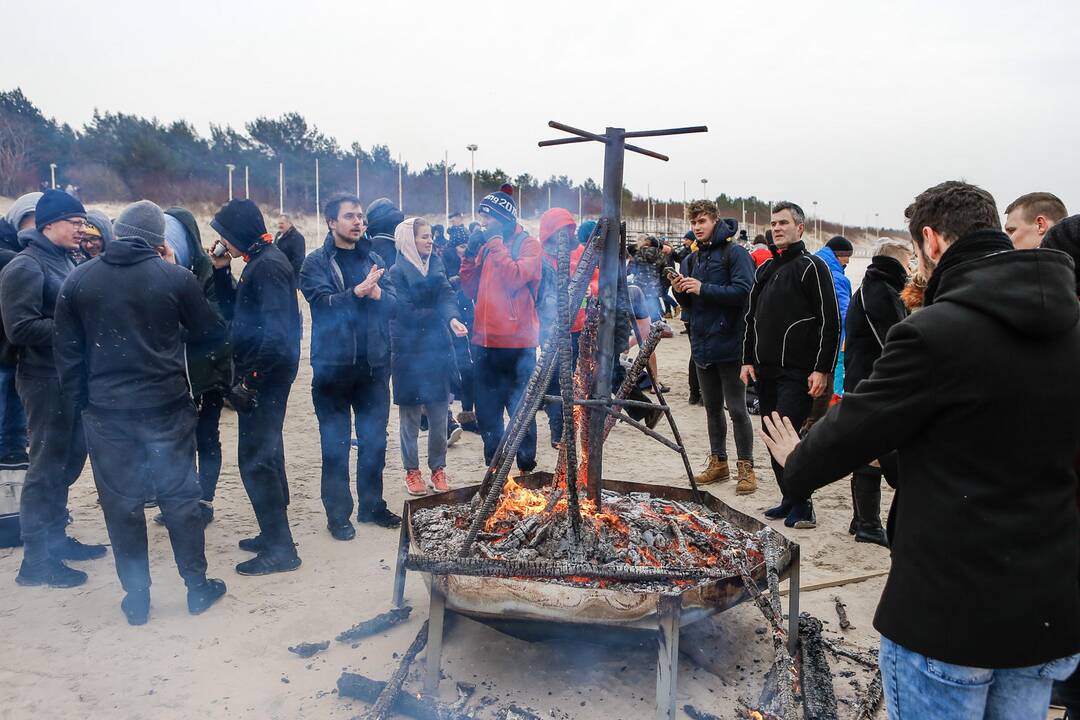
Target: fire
x: 516, y: 503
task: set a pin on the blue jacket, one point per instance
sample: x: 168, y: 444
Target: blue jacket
x: 840, y: 282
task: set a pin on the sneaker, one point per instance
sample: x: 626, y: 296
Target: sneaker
x: 716, y: 471
x: 747, y: 485
x: 414, y: 483
x: 467, y: 420
x: 17, y: 460
x: 439, y: 480
x: 71, y: 549
x: 201, y: 597
x: 382, y: 517
x: 780, y: 511
x: 49, y: 572
x: 268, y: 563
x: 802, y: 516
x: 453, y: 433
x: 342, y: 530
x: 253, y: 544
x: 136, y: 607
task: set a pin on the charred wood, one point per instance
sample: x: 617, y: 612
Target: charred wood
x: 385, y: 702
x: 306, y: 650
x: 870, y: 702
x: 819, y: 697
x: 359, y: 687
x: 376, y: 624
x: 841, y: 612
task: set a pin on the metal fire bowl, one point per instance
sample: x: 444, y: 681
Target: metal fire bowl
x: 506, y: 602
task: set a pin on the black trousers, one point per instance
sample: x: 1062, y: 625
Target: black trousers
x: 691, y: 371
x: 501, y: 376
x: 786, y: 392
x: 57, y: 457
x: 140, y: 455
x: 346, y: 397
x: 466, y: 391
x: 208, y: 442
x: 261, y: 457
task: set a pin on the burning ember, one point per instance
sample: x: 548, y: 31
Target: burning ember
x: 633, y: 529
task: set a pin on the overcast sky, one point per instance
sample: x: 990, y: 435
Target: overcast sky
x: 858, y: 105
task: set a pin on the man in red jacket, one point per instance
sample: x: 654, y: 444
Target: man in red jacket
x: 501, y: 274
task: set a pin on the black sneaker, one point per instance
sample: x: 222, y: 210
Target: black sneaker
x: 802, y: 516
x: 453, y: 433
x: 342, y: 530
x: 49, y: 572
x: 71, y: 549
x: 253, y: 544
x: 136, y: 607
x: 268, y: 563
x: 382, y: 518
x: 780, y: 511
x: 14, y: 461
x: 201, y: 597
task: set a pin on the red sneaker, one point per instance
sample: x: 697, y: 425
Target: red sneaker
x: 439, y: 480
x: 415, y: 483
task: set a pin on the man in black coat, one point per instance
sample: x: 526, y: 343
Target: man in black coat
x: 29, y: 287
x: 13, y: 440
x: 265, y: 336
x: 715, y: 291
x: 981, y: 610
x: 382, y: 219
x: 875, y: 308
x: 792, y: 338
x: 350, y: 362
x: 119, y: 354
x: 292, y: 243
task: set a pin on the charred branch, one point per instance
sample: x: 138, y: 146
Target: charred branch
x: 482, y: 567
x: 841, y: 612
x: 377, y: 624
x: 306, y: 650
x: 385, y: 702
x: 359, y: 687
x: 870, y: 702
x: 819, y: 698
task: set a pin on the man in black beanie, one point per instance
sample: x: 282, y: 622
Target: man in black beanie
x: 383, y: 217
x: 134, y: 397
x: 29, y: 287
x: 265, y: 334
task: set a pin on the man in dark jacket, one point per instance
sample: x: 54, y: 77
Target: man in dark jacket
x: 350, y: 362
x: 28, y: 290
x: 265, y: 337
x: 292, y: 243
x: 981, y: 610
x: 119, y: 356
x: 715, y: 291
x: 13, y: 440
x: 875, y: 308
x: 382, y: 219
x: 792, y: 339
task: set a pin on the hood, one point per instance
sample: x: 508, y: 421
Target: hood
x: 9, y: 236
x: 101, y: 221
x: 33, y: 236
x: 552, y: 220
x: 128, y: 251
x: 23, y: 206
x: 1031, y: 291
x: 1065, y: 236
x: 188, y: 221
x: 888, y: 270
x: 383, y: 217
x: 827, y: 254
x: 725, y: 230
x: 405, y: 241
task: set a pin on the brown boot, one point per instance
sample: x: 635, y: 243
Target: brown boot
x: 715, y: 472
x: 747, y: 480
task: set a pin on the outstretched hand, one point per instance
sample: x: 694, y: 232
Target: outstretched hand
x: 780, y: 437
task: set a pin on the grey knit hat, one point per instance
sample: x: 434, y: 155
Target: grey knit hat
x: 143, y: 219
x: 23, y: 206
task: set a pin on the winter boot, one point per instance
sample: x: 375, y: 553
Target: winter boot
x: 854, y: 508
x: 747, y: 484
x: 49, y: 572
x: 715, y: 472
x: 467, y: 418
x: 802, y: 516
x: 867, y: 481
x: 414, y: 483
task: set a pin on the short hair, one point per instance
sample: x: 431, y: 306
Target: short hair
x: 953, y: 208
x: 283, y: 216
x: 891, y: 247
x: 702, y: 207
x: 1035, y: 204
x: 455, y: 214
x: 796, y: 212
x: 333, y: 205
x: 759, y: 239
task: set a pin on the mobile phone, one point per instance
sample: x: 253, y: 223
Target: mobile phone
x: 673, y: 273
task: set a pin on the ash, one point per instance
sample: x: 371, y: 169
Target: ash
x: 636, y: 529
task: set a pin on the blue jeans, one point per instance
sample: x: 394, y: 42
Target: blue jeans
x: 12, y: 416
x: 920, y: 688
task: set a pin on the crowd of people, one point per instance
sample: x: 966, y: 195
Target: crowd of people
x: 124, y: 339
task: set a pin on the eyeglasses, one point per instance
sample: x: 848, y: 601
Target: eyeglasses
x: 79, y: 224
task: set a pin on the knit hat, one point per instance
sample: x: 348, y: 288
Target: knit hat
x: 840, y: 245
x: 241, y: 223
x: 1065, y: 236
x: 500, y: 206
x: 585, y: 231
x: 23, y: 206
x: 689, y: 235
x: 553, y: 220
x: 383, y: 217
x: 457, y: 235
x: 144, y: 220
x: 55, y: 205
x: 97, y: 220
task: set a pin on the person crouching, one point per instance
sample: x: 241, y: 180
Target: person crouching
x: 422, y: 354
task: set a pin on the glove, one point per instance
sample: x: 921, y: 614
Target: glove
x: 243, y: 398
x: 476, y: 241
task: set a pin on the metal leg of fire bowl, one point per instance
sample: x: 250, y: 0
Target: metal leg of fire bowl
x: 402, y: 553
x: 668, y: 610
x: 436, y: 615
x: 793, y: 605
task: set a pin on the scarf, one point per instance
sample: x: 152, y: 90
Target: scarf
x: 972, y: 246
x: 405, y: 240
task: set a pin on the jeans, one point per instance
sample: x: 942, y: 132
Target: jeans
x: 348, y: 397
x: 141, y: 455
x: 13, y: 439
x: 208, y: 442
x: 921, y: 688
x: 720, y: 383
x: 786, y: 392
x: 501, y: 376
x: 409, y: 428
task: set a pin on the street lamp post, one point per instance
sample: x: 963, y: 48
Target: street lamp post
x: 472, y: 148
x: 705, y: 188
x: 52, y: 175
x: 230, y: 167
x: 817, y: 228
x: 446, y: 183
x: 247, y: 184
x: 281, y: 187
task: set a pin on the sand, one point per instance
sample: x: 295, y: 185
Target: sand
x: 70, y: 653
